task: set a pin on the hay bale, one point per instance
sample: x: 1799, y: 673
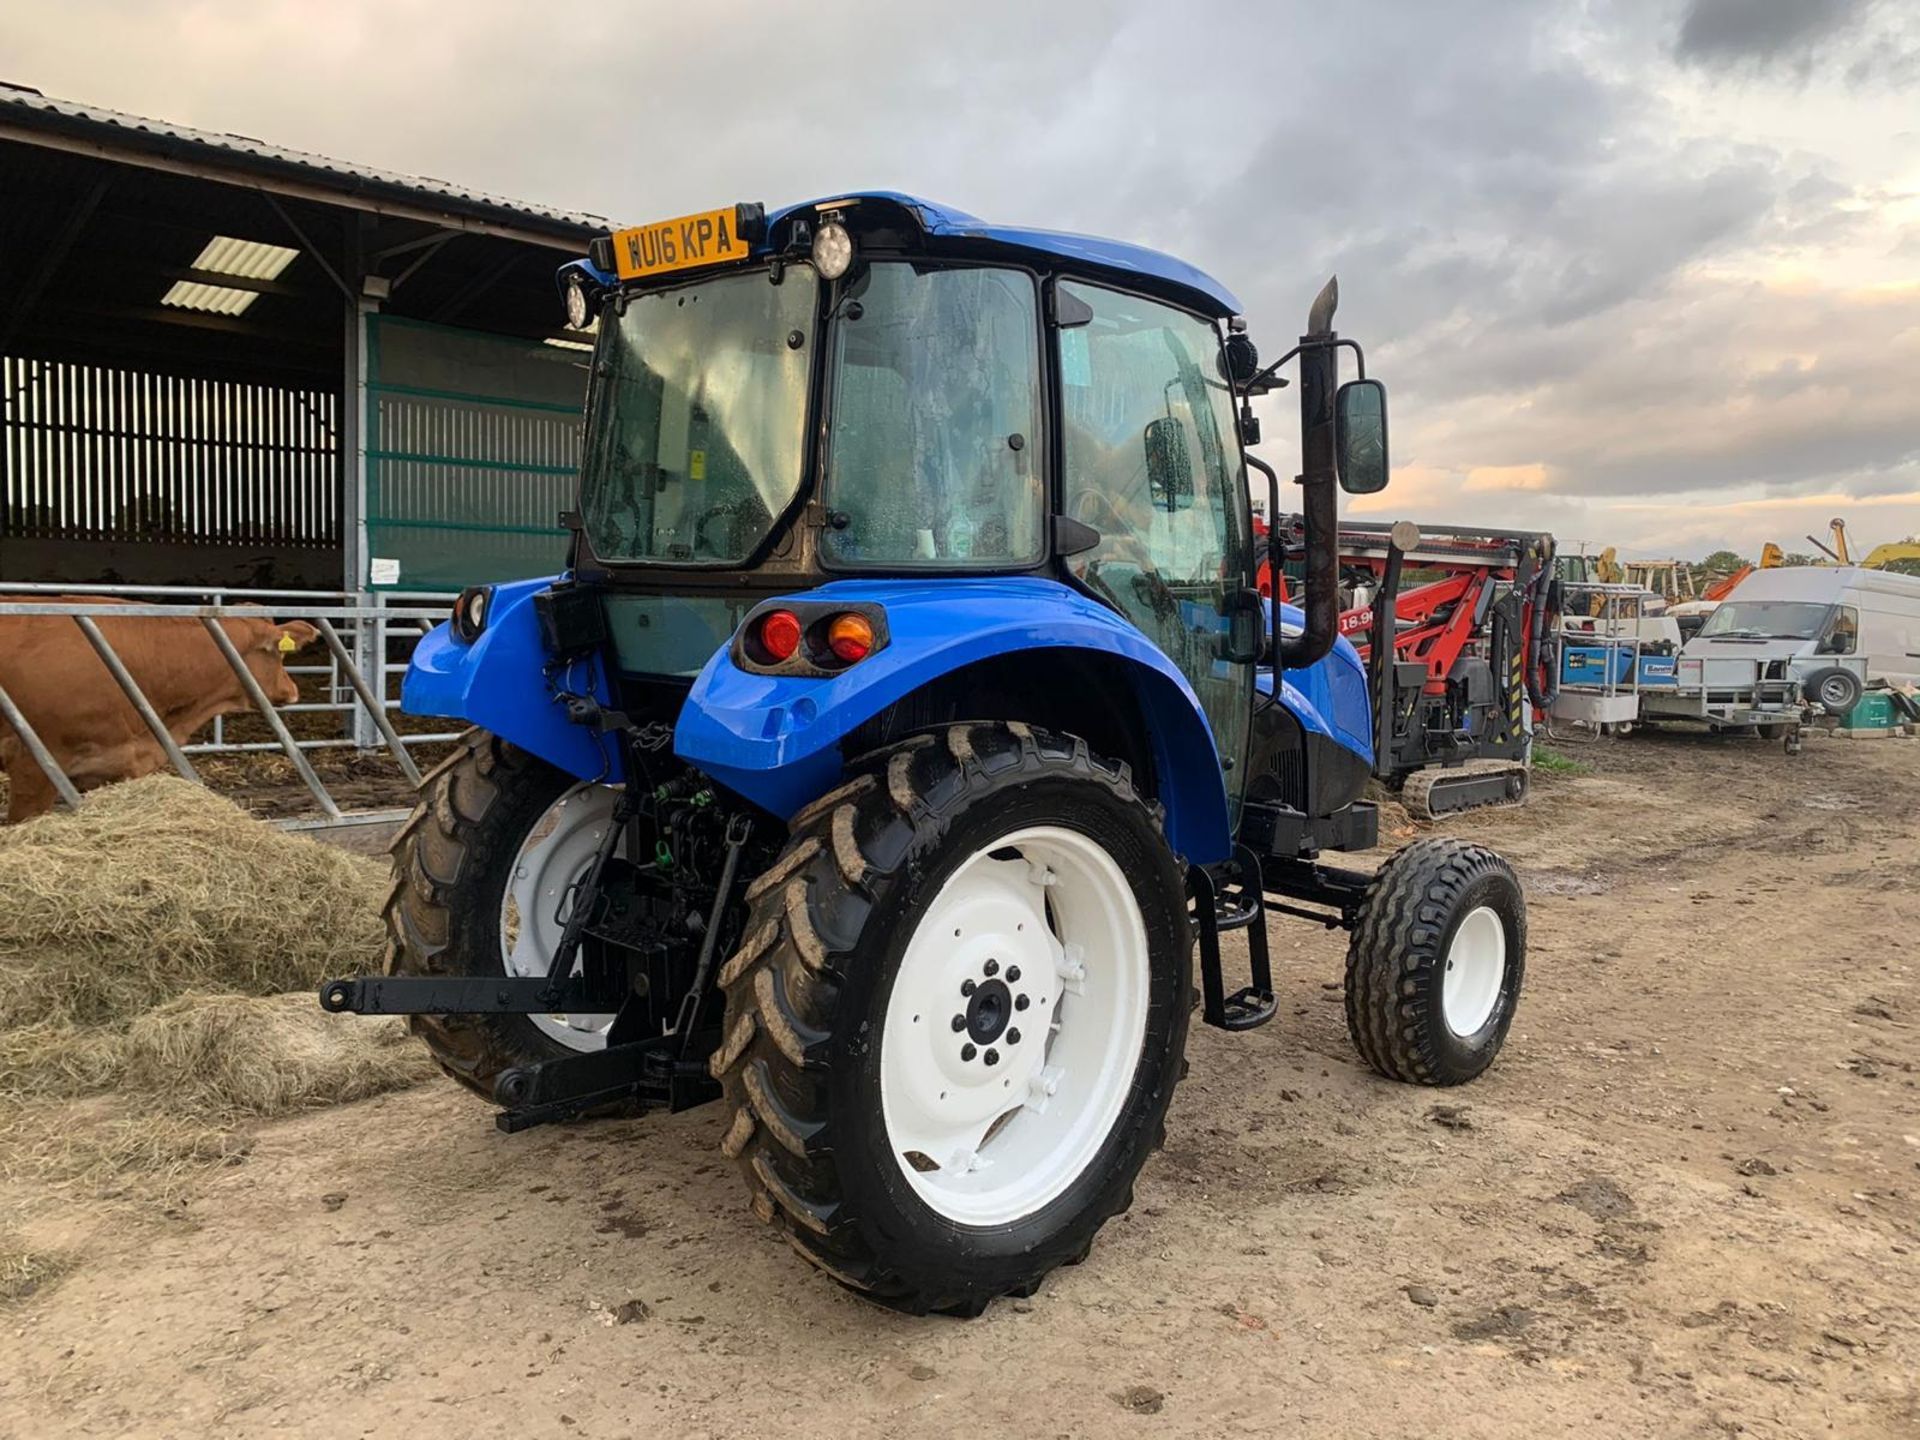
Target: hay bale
x: 228, y: 1056
x: 159, y: 887
x: 55, y: 1058
x: 146, y: 945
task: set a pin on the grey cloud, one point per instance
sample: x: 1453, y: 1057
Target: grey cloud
x: 1721, y: 32
x: 1525, y: 227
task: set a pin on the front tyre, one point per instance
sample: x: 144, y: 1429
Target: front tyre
x: 481, y: 871
x: 1435, y: 963
x: 958, y: 1017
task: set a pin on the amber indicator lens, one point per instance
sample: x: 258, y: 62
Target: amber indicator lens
x: 850, y: 637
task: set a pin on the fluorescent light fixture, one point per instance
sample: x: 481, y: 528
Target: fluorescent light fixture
x: 214, y: 299
x: 568, y: 344
x: 225, y: 255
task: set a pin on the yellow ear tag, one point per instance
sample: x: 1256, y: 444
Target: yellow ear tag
x: 287, y: 647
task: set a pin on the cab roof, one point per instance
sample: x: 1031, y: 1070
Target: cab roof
x: 1161, y: 273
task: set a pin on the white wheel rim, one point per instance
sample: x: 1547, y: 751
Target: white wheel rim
x: 557, y: 851
x: 1476, y: 969
x: 1042, y: 915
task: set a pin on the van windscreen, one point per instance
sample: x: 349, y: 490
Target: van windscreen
x: 1765, y: 620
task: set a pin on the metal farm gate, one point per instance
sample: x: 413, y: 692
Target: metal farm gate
x: 473, y: 442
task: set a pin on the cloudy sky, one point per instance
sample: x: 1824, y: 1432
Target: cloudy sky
x: 1643, y: 272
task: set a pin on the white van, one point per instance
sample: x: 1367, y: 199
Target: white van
x: 1814, y: 634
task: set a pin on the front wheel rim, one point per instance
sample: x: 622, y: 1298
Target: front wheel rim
x: 1476, y: 970
x: 554, y: 855
x: 1014, y: 1026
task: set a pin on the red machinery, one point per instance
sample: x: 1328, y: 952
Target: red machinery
x: 1472, y: 650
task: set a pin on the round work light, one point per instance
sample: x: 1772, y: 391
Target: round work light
x: 832, y: 250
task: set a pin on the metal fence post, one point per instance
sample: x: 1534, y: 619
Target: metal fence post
x: 374, y: 706
x: 42, y: 756
x: 182, y: 767
x: 271, y: 716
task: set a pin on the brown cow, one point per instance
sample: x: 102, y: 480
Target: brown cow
x: 82, y: 716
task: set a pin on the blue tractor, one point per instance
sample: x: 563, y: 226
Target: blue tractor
x: 904, y: 721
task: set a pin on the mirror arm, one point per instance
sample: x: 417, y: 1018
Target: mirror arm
x: 1312, y: 343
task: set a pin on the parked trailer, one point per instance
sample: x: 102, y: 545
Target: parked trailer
x: 1794, y: 642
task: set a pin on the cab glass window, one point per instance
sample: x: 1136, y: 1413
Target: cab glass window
x: 933, y: 455
x: 697, y: 421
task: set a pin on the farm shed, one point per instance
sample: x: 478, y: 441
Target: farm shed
x: 228, y: 364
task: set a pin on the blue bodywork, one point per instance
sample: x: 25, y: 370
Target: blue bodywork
x: 775, y: 738
x: 1162, y: 273
x: 1328, y: 698
x: 497, y: 683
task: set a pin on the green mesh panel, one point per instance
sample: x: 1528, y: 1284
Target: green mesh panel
x: 473, y: 444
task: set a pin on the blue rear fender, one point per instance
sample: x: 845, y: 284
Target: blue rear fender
x: 776, y: 738
x: 499, y: 683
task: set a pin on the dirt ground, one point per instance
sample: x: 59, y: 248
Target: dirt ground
x: 1685, y: 1203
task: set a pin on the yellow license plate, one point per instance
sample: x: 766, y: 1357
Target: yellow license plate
x: 683, y: 244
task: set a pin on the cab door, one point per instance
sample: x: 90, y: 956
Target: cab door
x: 1151, y: 460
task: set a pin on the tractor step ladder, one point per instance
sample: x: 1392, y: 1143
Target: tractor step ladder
x: 1225, y: 898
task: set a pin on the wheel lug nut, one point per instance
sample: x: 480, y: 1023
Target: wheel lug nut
x: 966, y: 987
x: 959, y: 1023
x: 993, y: 1057
x: 1013, y: 1037
x: 1019, y: 1002
x: 1013, y: 974
x: 992, y: 967
x: 967, y: 1052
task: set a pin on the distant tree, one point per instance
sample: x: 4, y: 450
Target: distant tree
x: 1722, y: 562
x: 1799, y: 557
x: 1904, y: 567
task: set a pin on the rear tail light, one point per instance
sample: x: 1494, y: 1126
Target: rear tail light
x: 780, y: 633
x: 850, y: 637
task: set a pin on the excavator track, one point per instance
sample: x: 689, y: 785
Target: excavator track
x: 1475, y: 785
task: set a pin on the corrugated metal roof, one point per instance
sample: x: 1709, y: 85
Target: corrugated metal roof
x: 31, y: 109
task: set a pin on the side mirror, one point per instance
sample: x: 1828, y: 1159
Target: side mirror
x: 1169, y: 470
x: 1360, y: 428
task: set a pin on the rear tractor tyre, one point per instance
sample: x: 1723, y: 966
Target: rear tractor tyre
x: 958, y: 1017
x: 479, y: 873
x: 1436, y: 961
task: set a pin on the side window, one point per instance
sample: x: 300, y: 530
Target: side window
x: 936, y: 420
x: 1843, y: 632
x: 1152, y: 462
x: 1148, y: 443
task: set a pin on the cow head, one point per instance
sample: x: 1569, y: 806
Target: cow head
x: 267, y: 654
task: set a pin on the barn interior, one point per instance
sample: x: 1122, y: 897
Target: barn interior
x: 224, y: 363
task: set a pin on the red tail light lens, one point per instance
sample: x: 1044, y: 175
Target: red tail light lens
x: 780, y: 633
x: 850, y: 637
